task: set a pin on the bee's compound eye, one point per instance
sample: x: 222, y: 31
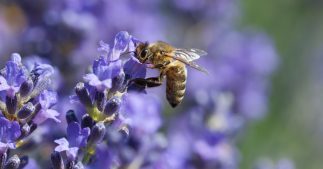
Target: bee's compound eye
x: 144, y: 53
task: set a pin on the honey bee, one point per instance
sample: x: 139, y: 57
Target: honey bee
x: 171, y: 63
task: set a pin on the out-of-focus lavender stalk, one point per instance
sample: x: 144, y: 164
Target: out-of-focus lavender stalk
x: 26, y: 101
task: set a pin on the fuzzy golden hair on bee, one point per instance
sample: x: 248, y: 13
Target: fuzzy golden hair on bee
x: 171, y: 62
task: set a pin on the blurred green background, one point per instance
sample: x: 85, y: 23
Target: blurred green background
x: 294, y: 125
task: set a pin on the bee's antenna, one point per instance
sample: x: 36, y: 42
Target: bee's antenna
x: 126, y: 53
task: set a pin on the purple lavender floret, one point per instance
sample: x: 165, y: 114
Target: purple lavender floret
x: 76, y: 135
x: 47, y: 99
x: 9, y: 133
x: 103, y: 73
x: 70, y: 147
x: 12, y: 76
x: 64, y: 146
x: 121, y: 42
x: 76, y: 139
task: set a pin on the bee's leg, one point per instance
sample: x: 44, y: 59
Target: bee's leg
x: 149, y: 82
x: 153, y: 82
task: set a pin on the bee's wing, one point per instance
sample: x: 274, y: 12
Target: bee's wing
x: 187, y: 56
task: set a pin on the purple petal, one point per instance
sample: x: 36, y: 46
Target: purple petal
x: 99, y: 66
x: 63, y: 145
x: 115, y: 68
x: 84, y: 135
x: 92, y: 79
x: 73, y: 132
x: 9, y: 131
x: 72, y: 153
x: 105, y: 84
x: 4, y: 123
x: 11, y: 91
x: 15, y: 57
x: 14, y: 131
x: 134, y: 69
x: 15, y: 75
x: 104, y: 49
x: 45, y: 114
x: 4, y: 147
x: 133, y: 43
x: 76, y: 136
x: 103, y: 73
x: 47, y: 99
x: 121, y: 42
x: 12, y: 70
x: 3, y: 84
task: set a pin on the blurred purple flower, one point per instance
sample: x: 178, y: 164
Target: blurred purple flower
x: 104, y: 157
x: 142, y: 113
x: 242, y: 64
x: 31, y: 164
x: 222, y: 152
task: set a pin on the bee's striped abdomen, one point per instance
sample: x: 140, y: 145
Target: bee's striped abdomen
x: 176, y: 84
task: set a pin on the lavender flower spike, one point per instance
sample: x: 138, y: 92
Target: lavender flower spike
x: 109, y: 76
x: 108, y: 105
x: 26, y: 100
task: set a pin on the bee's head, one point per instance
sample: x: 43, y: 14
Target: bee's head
x: 142, y: 52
